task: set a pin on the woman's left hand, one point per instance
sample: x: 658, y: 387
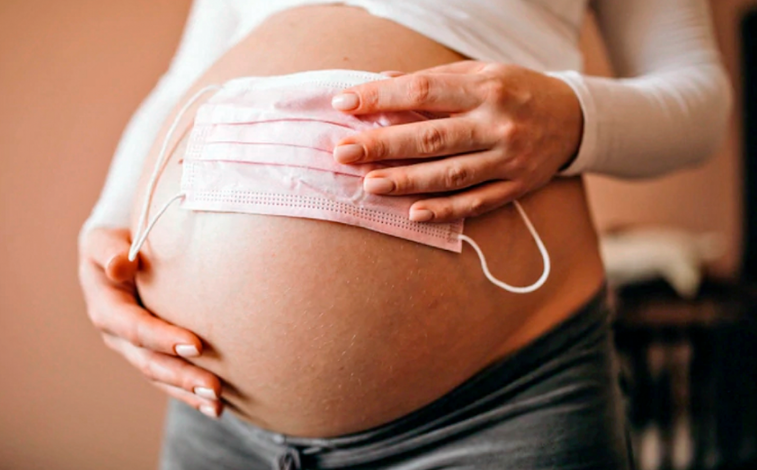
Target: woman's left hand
x: 507, y: 132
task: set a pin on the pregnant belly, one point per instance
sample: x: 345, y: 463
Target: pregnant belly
x: 320, y: 329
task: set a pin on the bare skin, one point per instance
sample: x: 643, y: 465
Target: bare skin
x: 322, y: 329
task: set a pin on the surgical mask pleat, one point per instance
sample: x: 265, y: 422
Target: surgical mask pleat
x: 246, y: 154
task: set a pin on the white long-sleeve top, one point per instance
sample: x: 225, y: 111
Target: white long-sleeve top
x: 667, y: 110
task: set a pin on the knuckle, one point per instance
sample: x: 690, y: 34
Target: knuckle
x: 97, y: 320
x: 532, y: 167
x: 457, y: 176
x: 134, y: 333
x: 469, y: 134
x: 402, y: 182
x: 419, y: 89
x: 495, y: 90
x: 368, y: 97
x: 523, y: 165
x: 508, y: 132
x: 148, y: 369
x: 476, y: 206
x: 188, y: 382
x: 188, y: 377
x: 94, y: 315
x: 516, y: 169
x: 431, y: 140
x: 376, y: 148
x: 516, y: 190
x: 444, y: 211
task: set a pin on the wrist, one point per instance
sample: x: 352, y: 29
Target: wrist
x: 583, y: 155
x: 573, y: 123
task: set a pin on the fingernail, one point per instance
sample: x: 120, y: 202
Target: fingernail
x: 205, y: 392
x: 392, y: 73
x: 113, y: 259
x: 378, y: 185
x: 209, y: 411
x: 115, y: 269
x: 187, y: 350
x: 421, y: 215
x: 348, y: 153
x: 345, y: 101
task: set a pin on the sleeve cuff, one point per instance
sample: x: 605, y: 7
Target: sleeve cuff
x: 587, y: 151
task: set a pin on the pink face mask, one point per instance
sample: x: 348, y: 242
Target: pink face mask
x: 264, y: 146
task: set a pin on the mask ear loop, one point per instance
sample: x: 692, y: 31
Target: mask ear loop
x: 539, y: 244
x: 136, y: 245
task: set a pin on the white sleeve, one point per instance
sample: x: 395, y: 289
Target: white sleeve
x: 209, y: 28
x: 670, y: 106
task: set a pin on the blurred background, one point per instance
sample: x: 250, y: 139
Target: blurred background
x: 71, y: 74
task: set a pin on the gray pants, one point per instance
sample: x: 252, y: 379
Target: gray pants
x: 553, y: 405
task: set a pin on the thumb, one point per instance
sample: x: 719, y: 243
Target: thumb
x: 109, y: 249
x: 119, y: 269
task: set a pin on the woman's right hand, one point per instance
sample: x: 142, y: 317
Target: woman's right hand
x: 156, y: 348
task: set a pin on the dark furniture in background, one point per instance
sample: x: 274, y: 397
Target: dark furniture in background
x: 690, y: 373
x: 690, y: 367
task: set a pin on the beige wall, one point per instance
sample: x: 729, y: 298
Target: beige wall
x: 71, y: 73
x: 703, y: 199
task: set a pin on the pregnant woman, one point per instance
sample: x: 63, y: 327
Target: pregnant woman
x: 358, y: 228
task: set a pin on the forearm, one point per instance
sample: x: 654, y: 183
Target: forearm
x: 649, y: 126
x: 670, y: 106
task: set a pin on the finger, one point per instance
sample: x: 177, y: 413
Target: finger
x: 449, y: 174
x: 119, y: 269
x: 211, y: 409
x: 424, y: 139
x: 392, y: 73
x: 169, y: 370
x: 115, y: 311
x: 470, y: 203
x: 451, y: 93
x: 109, y: 249
x: 463, y: 66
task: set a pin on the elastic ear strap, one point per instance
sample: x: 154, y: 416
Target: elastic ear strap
x: 137, y: 244
x: 159, y: 162
x: 539, y: 245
